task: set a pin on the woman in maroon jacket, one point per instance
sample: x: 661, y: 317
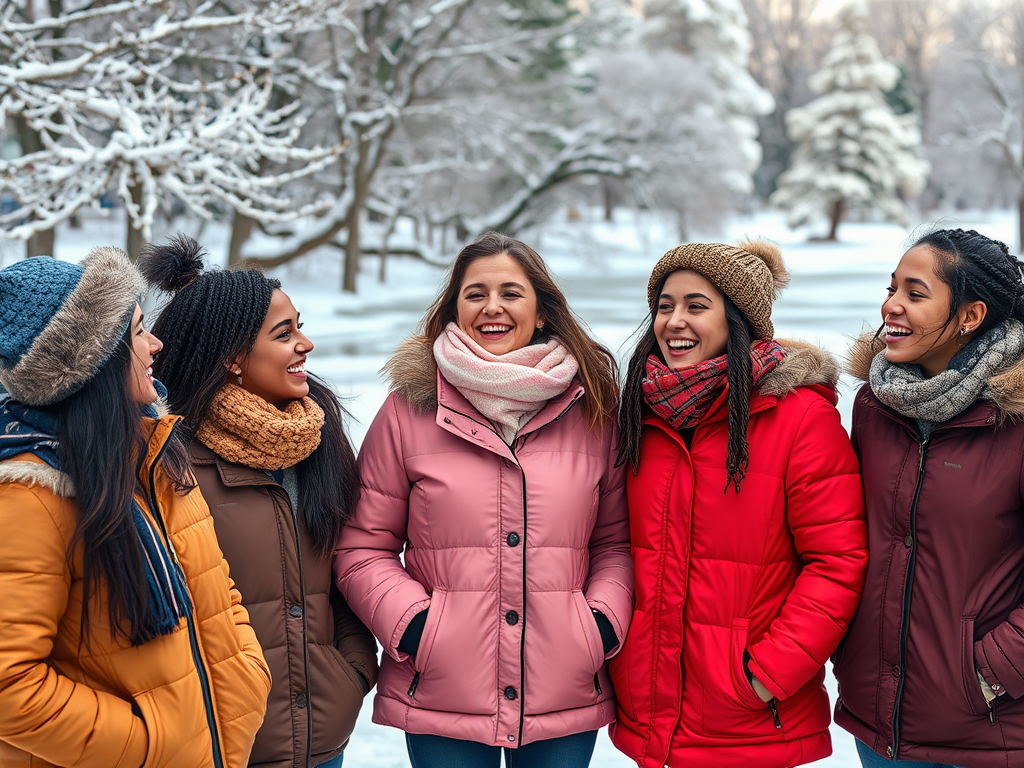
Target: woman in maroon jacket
x: 746, y: 523
x: 933, y: 667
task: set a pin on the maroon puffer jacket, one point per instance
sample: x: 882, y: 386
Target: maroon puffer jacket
x: 944, y: 586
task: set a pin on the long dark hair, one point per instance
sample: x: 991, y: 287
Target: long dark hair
x: 597, y: 368
x: 977, y: 268
x: 102, y: 444
x: 215, y: 317
x: 740, y: 373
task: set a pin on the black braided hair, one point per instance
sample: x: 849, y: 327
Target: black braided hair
x: 740, y: 374
x: 978, y: 268
x: 215, y: 317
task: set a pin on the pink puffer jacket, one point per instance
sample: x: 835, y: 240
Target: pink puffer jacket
x: 508, y: 549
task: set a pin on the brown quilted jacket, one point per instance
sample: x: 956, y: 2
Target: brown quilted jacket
x: 322, y: 659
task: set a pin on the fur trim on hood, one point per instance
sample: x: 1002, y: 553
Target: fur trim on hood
x: 31, y: 473
x: 805, y: 365
x: 1006, y: 387
x: 413, y: 373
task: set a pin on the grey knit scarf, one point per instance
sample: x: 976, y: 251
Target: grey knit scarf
x: 935, y: 400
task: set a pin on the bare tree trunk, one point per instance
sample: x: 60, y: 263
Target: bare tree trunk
x: 609, y: 201
x: 42, y: 243
x: 352, y: 251
x: 1020, y: 221
x: 134, y: 240
x: 838, y: 209
x: 241, y: 229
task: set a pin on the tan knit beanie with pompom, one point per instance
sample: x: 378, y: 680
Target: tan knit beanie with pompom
x: 751, y: 274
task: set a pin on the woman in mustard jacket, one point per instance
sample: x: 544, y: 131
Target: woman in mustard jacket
x: 123, y: 642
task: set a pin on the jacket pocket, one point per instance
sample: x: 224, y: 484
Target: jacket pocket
x: 972, y: 688
x: 434, y: 611
x: 730, y: 707
x: 591, y: 632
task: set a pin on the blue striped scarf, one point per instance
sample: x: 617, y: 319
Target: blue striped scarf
x: 27, y: 430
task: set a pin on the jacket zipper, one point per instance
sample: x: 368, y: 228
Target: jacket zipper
x: 305, y: 641
x: 597, y: 683
x: 773, y: 707
x: 907, y: 589
x: 197, y: 658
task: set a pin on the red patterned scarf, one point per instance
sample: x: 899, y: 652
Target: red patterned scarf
x: 683, y: 396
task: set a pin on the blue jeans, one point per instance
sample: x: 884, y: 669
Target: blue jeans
x: 334, y: 762
x: 871, y: 759
x: 573, y: 751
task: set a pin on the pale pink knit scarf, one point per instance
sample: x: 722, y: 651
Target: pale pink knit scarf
x: 508, y: 389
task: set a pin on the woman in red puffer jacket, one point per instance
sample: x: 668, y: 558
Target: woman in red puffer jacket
x: 746, y: 522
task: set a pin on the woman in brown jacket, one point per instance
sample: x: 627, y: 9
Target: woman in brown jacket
x: 122, y: 640
x: 272, y: 459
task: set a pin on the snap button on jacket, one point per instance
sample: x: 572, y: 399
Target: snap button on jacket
x: 68, y: 703
x: 437, y: 476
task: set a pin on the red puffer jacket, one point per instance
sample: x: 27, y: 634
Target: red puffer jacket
x: 775, y: 571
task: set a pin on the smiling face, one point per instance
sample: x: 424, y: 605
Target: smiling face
x: 689, y: 322
x: 916, y: 312
x: 497, y: 305
x: 144, y: 346
x: 276, y: 368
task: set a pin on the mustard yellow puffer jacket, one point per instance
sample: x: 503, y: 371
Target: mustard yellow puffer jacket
x: 201, y: 690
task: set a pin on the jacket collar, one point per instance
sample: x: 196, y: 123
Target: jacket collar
x: 231, y: 475
x: 1006, y: 386
x: 414, y: 375
x: 805, y: 365
x: 29, y: 469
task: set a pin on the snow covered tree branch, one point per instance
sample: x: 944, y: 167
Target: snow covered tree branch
x: 115, y: 101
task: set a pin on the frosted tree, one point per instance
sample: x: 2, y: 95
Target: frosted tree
x: 714, y: 35
x: 853, y: 152
x: 149, y: 100
x: 457, y: 115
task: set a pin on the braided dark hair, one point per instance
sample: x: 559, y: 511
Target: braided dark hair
x: 214, y: 317
x: 740, y: 374
x: 978, y: 268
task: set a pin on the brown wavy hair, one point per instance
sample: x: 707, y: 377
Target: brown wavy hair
x: 597, y: 369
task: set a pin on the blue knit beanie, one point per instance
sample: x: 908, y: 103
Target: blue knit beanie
x: 60, y: 322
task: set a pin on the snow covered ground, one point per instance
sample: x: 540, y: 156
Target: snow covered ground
x: 836, y: 291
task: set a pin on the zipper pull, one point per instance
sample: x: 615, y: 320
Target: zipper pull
x: 597, y: 684
x: 920, y: 457
x: 415, y: 684
x: 991, y: 714
x: 773, y: 705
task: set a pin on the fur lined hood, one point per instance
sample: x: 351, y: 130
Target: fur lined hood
x: 1005, y: 389
x: 412, y: 372
x: 29, y: 470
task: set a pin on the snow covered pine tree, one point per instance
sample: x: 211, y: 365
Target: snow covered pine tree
x: 853, y: 152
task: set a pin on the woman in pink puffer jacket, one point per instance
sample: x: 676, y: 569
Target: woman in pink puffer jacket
x: 492, y: 465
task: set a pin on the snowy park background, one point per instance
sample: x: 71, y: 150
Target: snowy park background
x: 352, y: 146
x: 603, y: 268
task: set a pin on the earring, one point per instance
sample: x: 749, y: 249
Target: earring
x: 964, y: 330
x: 239, y: 377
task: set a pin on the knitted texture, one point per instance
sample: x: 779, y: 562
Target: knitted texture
x: 938, y: 399
x: 750, y: 274
x: 245, y: 429
x: 60, y: 322
x: 508, y: 389
x: 682, y: 397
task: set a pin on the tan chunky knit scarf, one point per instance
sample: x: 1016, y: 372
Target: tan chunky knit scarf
x: 245, y: 429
